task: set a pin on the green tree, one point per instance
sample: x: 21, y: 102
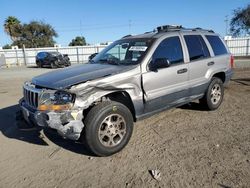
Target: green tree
x: 11, y: 27
x: 36, y: 34
x: 78, y: 41
x: 240, y: 23
x: 7, y: 46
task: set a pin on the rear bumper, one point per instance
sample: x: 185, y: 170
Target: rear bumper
x: 228, y: 76
x: 68, y: 124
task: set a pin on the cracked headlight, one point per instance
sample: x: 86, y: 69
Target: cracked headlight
x: 62, y: 97
x: 55, y: 101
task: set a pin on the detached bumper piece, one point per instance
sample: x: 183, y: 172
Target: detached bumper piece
x: 63, y: 122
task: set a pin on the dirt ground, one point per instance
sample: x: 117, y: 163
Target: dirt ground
x: 191, y: 147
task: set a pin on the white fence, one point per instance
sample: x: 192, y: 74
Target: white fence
x: 239, y: 46
x: 77, y: 54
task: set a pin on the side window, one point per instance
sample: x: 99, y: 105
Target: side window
x: 171, y: 49
x: 197, y: 48
x: 217, y: 45
x: 41, y: 55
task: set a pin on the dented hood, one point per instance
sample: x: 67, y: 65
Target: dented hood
x: 67, y: 77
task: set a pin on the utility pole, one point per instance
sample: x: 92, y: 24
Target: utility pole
x: 226, y: 22
x: 129, y: 26
x: 81, y: 28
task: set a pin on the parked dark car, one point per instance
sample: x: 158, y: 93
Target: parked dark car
x: 52, y: 59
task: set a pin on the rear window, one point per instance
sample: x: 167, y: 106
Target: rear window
x: 217, y: 45
x: 197, y: 48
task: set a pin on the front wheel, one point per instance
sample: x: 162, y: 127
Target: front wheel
x: 108, y: 128
x: 53, y: 65
x: 214, y: 94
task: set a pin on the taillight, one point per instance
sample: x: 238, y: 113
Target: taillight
x: 232, y: 61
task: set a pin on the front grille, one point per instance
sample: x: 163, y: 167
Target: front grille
x: 31, y: 96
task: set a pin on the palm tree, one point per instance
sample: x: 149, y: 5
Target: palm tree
x: 10, y: 26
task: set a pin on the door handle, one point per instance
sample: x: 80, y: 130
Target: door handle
x: 210, y: 63
x: 181, y: 71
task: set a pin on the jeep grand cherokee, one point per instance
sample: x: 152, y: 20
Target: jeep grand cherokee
x: 134, y: 77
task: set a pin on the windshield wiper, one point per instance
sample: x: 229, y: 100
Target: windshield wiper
x: 91, y: 61
x: 110, y: 61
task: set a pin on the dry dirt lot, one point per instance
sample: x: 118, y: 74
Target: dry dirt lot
x: 191, y: 147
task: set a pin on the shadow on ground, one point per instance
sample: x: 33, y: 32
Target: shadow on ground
x: 193, y: 106
x: 8, y: 127
x: 243, y: 81
x: 36, y: 67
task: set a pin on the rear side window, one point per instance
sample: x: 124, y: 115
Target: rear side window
x: 217, y: 45
x: 171, y: 49
x: 197, y: 48
x: 41, y: 55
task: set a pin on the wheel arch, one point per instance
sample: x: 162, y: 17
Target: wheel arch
x: 220, y: 75
x: 124, y: 98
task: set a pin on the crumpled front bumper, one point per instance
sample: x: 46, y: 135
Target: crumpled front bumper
x: 68, y: 123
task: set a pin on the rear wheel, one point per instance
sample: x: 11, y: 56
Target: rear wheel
x: 39, y: 64
x: 214, y: 94
x: 108, y: 128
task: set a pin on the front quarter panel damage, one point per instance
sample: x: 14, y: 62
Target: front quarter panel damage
x: 69, y: 123
x: 93, y: 91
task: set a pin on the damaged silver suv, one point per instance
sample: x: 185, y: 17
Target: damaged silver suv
x: 134, y: 77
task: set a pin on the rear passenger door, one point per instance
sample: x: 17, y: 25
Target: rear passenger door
x: 221, y: 55
x: 167, y: 86
x: 199, y: 64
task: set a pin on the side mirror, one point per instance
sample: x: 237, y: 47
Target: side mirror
x: 125, y: 46
x: 159, y: 63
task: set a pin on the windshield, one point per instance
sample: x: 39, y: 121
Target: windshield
x: 124, y: 52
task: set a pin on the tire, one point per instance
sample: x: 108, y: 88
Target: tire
x: 108, y: 128
x: 214, y: 94
x: 39, y: 64
x: 53, y: 65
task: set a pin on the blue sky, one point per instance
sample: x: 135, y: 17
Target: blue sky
x: 100, y: 21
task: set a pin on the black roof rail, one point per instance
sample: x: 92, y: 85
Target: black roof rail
x: 201, y: 29
x: 153, y: 31
x: 126, y: 36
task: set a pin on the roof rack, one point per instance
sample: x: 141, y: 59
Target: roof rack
x: 165, y: 28
x: 168, y: 28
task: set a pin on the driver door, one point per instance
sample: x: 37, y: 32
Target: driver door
x: 166, y: 87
